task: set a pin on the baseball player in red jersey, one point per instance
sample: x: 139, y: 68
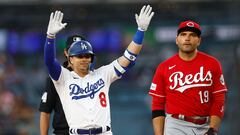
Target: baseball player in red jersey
x: 188, y: 90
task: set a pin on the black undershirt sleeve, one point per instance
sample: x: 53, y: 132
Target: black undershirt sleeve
x: 157, y: 113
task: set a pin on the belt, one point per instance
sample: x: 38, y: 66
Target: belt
x: 90, y: 131
x: 192, y: 119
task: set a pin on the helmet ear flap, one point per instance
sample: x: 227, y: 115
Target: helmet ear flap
x: 92, y: 58
x: 93, y: 62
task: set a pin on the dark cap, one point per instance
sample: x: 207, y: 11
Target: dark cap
x: 189, y: 26
x: 72, y: 39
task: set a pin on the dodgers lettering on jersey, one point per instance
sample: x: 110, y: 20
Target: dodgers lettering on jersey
x: 186, y: 87
x: 89, y: 91
x: 85, y: 100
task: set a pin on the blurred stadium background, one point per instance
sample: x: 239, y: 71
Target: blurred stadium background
x: 109, y: 25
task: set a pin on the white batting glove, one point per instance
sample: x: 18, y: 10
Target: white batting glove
x: 144, y: 17
x: 55, y: 23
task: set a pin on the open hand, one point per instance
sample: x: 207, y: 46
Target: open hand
x: 144, y: 17
x: 55, y: 23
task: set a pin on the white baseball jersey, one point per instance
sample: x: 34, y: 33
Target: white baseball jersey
x: 85, y: 100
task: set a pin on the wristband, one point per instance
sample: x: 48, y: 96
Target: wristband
x: 138, y: 38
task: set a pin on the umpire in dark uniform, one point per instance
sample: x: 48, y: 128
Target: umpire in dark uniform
x: 51, y: 102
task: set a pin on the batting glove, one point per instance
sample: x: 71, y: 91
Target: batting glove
x: 55, y: 23
x: 211, y: 131
x: 144, y: 17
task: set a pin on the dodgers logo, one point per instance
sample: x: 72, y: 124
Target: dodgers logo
x: 89, y: 91
x: 83, y: 46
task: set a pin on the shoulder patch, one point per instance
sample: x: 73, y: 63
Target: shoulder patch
x: 222, y: 80
x: 153, y: 86
x: 44, y: 97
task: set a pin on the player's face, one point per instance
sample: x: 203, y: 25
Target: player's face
x: 188, y: 41
x: 81, y: 62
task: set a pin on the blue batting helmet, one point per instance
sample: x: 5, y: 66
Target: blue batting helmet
x: 80, y: 47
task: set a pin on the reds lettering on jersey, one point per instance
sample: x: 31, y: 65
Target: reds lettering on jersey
x: 181, y: 82
x: 186, y: 87
x: 87, y: 95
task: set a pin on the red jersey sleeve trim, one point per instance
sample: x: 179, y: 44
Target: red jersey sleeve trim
x: 153, y: 94
x: 219, y: 91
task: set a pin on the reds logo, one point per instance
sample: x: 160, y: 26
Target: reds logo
x: 184, y: 82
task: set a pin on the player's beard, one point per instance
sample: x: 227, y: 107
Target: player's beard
x: 187, y: 49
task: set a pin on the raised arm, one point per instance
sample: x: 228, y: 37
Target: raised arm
x: 129, y: 57
x: 55, y: 25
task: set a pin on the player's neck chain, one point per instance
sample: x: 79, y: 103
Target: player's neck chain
x: 89, y: 91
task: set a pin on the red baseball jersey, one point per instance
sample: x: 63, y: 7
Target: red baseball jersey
x: 189, y: 87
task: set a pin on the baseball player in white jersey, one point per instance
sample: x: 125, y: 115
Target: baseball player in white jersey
x: 84, y: 91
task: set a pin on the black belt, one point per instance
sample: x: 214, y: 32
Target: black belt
x: 90, y: 131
